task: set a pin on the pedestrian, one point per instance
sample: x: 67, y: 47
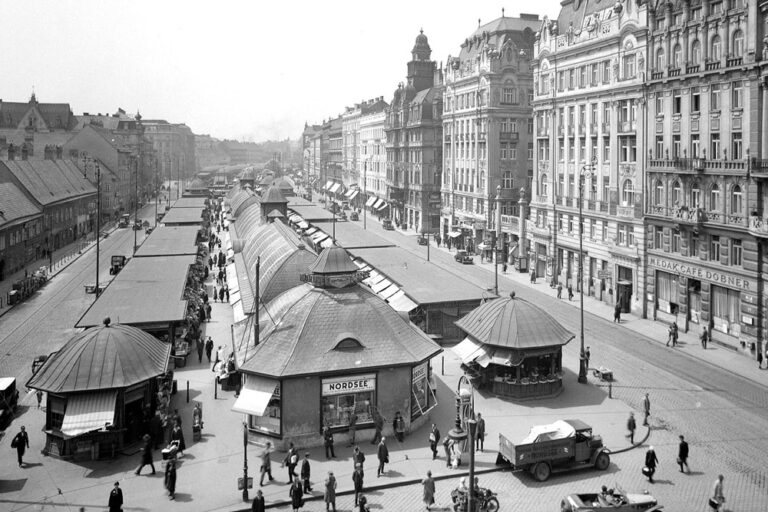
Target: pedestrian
x: 631, y: 425
x: 682, y: 455
x: 210, y: 260
x: 718, y: 498
x: 480, y: 432
x: 428, y: 486
x: 328, y: 442
x: 258, y: 504
x: 226, y: 293
x: 208, y: 309
x: 703, y: 337
x: 646, y: 409
x: 504, y: 266
x: 266, y: 464
x: 650, y: 463
x: 39, y: 395
x: 617, y: 313
x: 170, y: 478
x: 201, y: 314
x: 434, y: 438
x: 215, y: 294
x: 200, y: 348
x: 559, y: 290
x: 146, y: 454
x: 674, y: 334
x: 398, y: 425
x: 358, y: 457
x: 197, y: 415
x: 291, y: 460
x: 21, y: 443
x: 533, y: 276
x: 221, y: 295
x: 759, y: 367
x: 447, y: 445
x: 352, y: 427
x: 297, y: 495
x: 208, y: 348
x: 115, y: 503
x: 305, y: 473
x: 378, y: 425
x: 330, y: 492
x: 357, y: 481
x: 362, y: 505
x: 670, y: 335
x: 383, y: 455
x: 178, y: 435
x: 587, y: 355
x: 570, y: 291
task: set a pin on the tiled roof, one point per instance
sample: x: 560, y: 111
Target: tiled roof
x: 309, y: 331
x: 11, y: 114
x: 15, y: 205
x: 514, y: 323
x: 104, y: 357
x: 50, y: 181
x: 333, y: 260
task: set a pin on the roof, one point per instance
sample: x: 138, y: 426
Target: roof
x: 249, y: 201
x: 298, y: 201
x: 273, y: 195
x: 576, y: 12
x: 312, y: 213
x: 197, y: 184
x: 238, y: 198
x: 423, y: 281
x: 333, y: 260
x: 170, y: 241
x: 147, y: 291
x: 309, y: 331
x: 351, y: 235
x: 249, y: 221
x: 275, y: 214
x: 495, y: 32
x: 103, y: 357
x: 55, y: 115
x: 183, y: 216
x: 50, y: 181
x: 15, y: 205
x: 514, y: 323
x: 190, y: 202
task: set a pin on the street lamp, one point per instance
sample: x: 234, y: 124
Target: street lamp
x: 245, y: 461
x: 135, y: 162
x: 157, y: 185
x: 586, y: 172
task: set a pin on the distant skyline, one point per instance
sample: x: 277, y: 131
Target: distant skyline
x: 233, y: 69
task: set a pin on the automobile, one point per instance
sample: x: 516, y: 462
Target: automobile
x: 422, y: 240
x: 117, y: 263
x: 137, y: 226
x: 125, y: 220
x: 387, y: 224
x: 345, y: 205
x: 463, y: 257
x: 615, y: 499
x: 9, y: 399
x: 354, y: 216
x: 148, y: 229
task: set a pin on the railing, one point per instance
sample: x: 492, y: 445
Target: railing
x: 674, y: 72
x: 709, y: 66
x: 509, y: 222
x: 759, y: 168
x: 631, y: 212
x: 758, y: 226
x: 656, y: 75
x: 735, y: 61
x: 692, y: 69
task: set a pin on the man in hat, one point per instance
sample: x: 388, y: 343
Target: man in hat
x: 146, y: 454
x: 305, y: 472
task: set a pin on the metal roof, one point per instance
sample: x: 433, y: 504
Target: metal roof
x: 190, y: 202
x: 333, y: 260
x: 50, y: 181
x: 183, y: 216
x: 170, y: 241
x: 312, y: 213
x: 15, y: 205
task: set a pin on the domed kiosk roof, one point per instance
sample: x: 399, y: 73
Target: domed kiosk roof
x: 514, y: 323
x: 100, y: 358
x: 273, y: 195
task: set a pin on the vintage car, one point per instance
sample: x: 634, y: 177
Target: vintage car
x: 463, y: 257
x: 422, y: 240
x: 354, y: 216
x: 614, y: 499
x: 9, y: 399
x: 387, y: 224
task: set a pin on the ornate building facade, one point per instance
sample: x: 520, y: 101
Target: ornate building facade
x: 373, y: 156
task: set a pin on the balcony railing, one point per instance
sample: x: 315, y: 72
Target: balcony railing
x: 698, y: 164
x: 656, y: 75
x: 712, y: 65
x: 692, y: 69
x: 674, y: 72
x: 759, y: 168
x: 758, y: 226
x: 630, y: 212
x: 510, y: 136
x: 735, y: 61
x: 542, y: 199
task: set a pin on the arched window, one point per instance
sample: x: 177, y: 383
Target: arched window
x: 677, y: 194
x: 543, y: 186
x: 714, y: 198
x: 628, y: 193
x: 717, y: 49
x: 737, y: 47
x: 677, y: 56
x: 696, y: 53
x: 660, y: 61
x: 737, y: 200
x: 658, y: 193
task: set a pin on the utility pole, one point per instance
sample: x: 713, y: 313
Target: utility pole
x: 586, y: 172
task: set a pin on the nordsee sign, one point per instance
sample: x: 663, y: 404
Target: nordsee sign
x: 352, y: 384
x: 702, y: 273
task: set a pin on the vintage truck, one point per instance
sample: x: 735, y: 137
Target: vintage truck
x: 560, y: 446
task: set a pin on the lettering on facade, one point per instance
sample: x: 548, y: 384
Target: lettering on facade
x: 420, y: 372
x: 353, y: 384
x: 701, y: 273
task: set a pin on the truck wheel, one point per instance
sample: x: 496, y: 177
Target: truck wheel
x: 541, y: 471
x: 603, y: 461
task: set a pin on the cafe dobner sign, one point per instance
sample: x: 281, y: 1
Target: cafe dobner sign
x: 696, y: 272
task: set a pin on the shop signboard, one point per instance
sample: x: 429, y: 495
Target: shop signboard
x: 351, y: 384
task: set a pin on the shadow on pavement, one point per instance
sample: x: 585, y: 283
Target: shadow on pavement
x: 12, y: 485
x: 576, y: 475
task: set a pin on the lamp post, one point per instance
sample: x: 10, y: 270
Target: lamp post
x: 245, y: 461
x: 586, y: 172
x: 472, y: 424
x: 135, y: 203
x: 365, y: 192
x: 157, y: 185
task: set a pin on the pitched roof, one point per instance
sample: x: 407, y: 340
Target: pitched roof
x: 15, y: 205
x: 333, y: 260
x: 514, y: 323
x: 273, y: 195
x: 55, y: 115
x: 308, y: 332
x: 104, y: 357
x: 50, y: 181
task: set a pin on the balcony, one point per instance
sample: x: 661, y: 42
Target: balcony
x: 509, y: 223
x: 735, y: 61
x: 758, y: 226
x: 692, y: 69
x: 711, y: 66
x: 629, y: 212
x: 543, y: 132
x: 674, y: 72
x: 627, y: 127
x: 542, y: 199
x: 657, y: 75
x: 510, y: 136
x: 759, y: 169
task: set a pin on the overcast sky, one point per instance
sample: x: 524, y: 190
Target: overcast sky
x: 252, y: 70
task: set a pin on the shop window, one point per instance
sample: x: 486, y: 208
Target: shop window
x: 57, y: 406
x: 422, y: 391
x: 667, y: 294
x: 270, y: 421
x: 341, y: 396
x: 725, y: 306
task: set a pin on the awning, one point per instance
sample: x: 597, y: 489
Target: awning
x: 237, y: 312
x: 349, y: 192
x: 255, y: 398
x: 303, y: 224
x: 354, y: 194
x: 454, y: 234
x: 318, y: 236
x: 328, y: 242
x: 371, y: 200
x: 378, y: 202
x: 513, y: 251
x: 87, y: 412
x: 334, y: 188
x: 468, y: 350
x: 504, y: 357
x: 310, y: 230
x: 400, y: 302
x: 328, y: 184
x: 232, y: 283
x: 389, y: 291
x: 377, y: 287
x: 382, y: 206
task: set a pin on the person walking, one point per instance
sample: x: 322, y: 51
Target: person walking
x: 328, y: 442
x: 208, y: 348
x: 156, y: 430
x: 266, y: 464
x: 291, y: 460
x: 434, y: 438
x: 587, y: 356
x: 146, y: 455
x: 682, y: 455
x: 559, y: 290
x: 383, y: 455
x: 398, y: 425
x: 670, y: 334
x: 358, y: 457
x: 646, y: 409
x: 21, y: 443
x: 617, y: 313
x: 178, y: 435
x: 200, y: 348
x: 330, y: 492
x: 226, y: 293
x: 631, y: 425
x: 357, y: 481
x: 352, y: 427
x: 480, y: 432
x: 297, y: 495
x: 570, y: 292
x: 533, y: 276
x: 718, y: 497
x: 115, y: 502
x: 703, y: 337
x: 378, y: 425
x: 258, y: 504
x: 305, y: 473
x: 208, y: 310
x: 221, y: 294
x: 674, y: 334
x: 651, y: 461
x: 170, y: 478
x: 447, y: 446
x: 428, y: 488
x: 39, y: 395
x: 759, y: 365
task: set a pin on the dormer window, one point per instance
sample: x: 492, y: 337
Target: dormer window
x: 348, y: 345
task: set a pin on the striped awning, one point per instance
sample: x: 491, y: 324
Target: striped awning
x: 349, y: 192
x: 378, y: 203
x: 87, y: 412
x: 302, y: 224
x: 382, y: 206
x: 334, y: 188
x: 371, y: 200
x: 389, y: 291
x: 328, y: 184
x: 354, y: 194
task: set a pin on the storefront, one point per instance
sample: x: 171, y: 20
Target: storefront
x: 343, y: 396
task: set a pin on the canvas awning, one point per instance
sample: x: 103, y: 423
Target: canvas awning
x: 389, y: 291
x: 469, y: 350
x: 377, y: 287
x: 334, y: 188
x: 353, y: 194
x: 237, y: 312
x: 454, y: 234
x: 318, y: 236
x: 328, y: 184
x: 302, y: 224
x: 87, y: 412
x: 382, y: 206
x: 378, y: 202
x: 401, y: 303
x: 328, y: 242
x: 349, y: 192
x: 310, y: 230
x: 255, y: 398
x: 370, y: 201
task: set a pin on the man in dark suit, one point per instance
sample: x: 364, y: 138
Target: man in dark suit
x: 21, y: 443
x: 116, y: 498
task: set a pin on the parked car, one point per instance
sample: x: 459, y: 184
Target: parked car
x: 387, y: 224
x: 615, y: 499
x: 463, y: 257
x: 9, y: 399
x: 422, y: 240
x: 354, y: 216
x: 118, y: 262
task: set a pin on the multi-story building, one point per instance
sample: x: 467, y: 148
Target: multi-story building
x: 487, y: 130
x: 414, y: 143
x: 31, y: 126
x: 373, y: 156
x: 350, y: 130
x: 332, y: 150
x: 21, y: 226
x: 590, y: 116
x: 704, y: 200
x: 174, y: 145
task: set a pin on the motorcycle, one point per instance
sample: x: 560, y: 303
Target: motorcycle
x: 485, y: 501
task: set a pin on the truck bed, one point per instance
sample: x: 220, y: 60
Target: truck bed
x: 523, y: 455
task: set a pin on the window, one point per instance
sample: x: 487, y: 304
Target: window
x: 659, y: 146
x: 717, y: 52
x: 695, y: 146
x: 582, y: 115
x: 594, y: 148
x: 677, y: 193
x: 716, y: 8
x: 560, y: 80
x: 560, y: 185
x: 714, y: 198
x: 660, y: 60
x: 659, y: 104
x: 737, y: 47
x: 735, y: 253
x: 629, y: 66
x: 594, y: 74
x: 606, y: 149
x: 561, y: 150
x: 677, y: 146
x: 606, y: 189
x: 675, y: 241
x: 582, y: 148
x: 530, y: 151
x: 606, y: 71
x: 726, y: 308
x: 592, y: 228
x: 509, y: 95
x: 693, y: 243
x: 736, y: 146
x: 572, y: 79
x: 696, y: 14
x: 695, y: 52
x: 604, y: 234
x: 677, y: 101
x: 714, y: 146
x: 628, y: 193
x: 658, y: 193
x: 583, y: 77
x: 543, y: 186
x: 714, y: 97
x: 737, y: 95
x: 571, y: 150
x: 606, y: 113
x: 677, y: 56
x: 695, y: 196
x: 737, y: 200
x: 507, y: 181
x: 695, y: 99
x: 658, y: 237
x: 628, y: 149
x: 593, y: 114
x: 714, y: 248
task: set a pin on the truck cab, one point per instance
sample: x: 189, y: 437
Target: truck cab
x: 9, y: 399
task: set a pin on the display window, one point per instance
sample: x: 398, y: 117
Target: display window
x: 269, y: 422
x: 422, y: 394
x: 343, y: 395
